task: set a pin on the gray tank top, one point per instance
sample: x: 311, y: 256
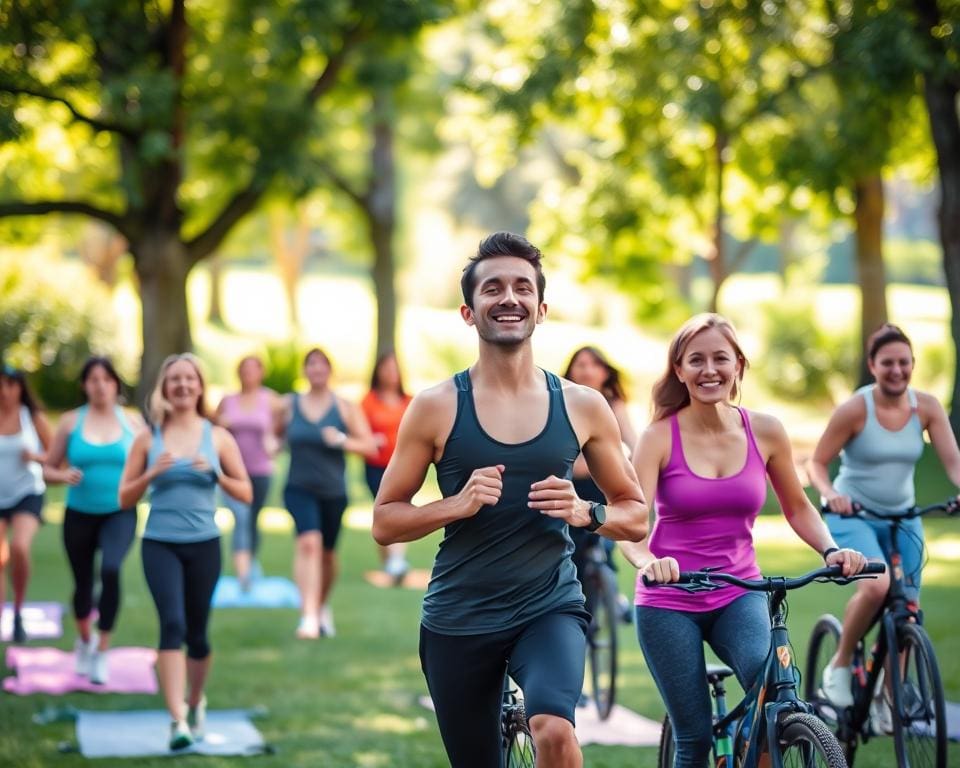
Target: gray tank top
x: 182, y: 499
x: 508, y: 563
x: 876, y: 466
x: 314, y: 465
x: 18, y: 478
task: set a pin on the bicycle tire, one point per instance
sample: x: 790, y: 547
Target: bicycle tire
x: 602, y: 641
x: 919, y: 705
x: 519, y: 750
x: 805, y: 741
x: 667, y: 750
x: 824, y: 640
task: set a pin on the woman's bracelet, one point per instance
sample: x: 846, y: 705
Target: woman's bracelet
x: 829, y: 551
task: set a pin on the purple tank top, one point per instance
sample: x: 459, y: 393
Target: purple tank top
x: 249, y: 428
x: 706, y: 522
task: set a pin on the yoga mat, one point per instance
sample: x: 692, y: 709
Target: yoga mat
x: 415, y: 578
x: 51, y: 671
x: 42, y: 621
x: 146, y: 733
x: 265, y: 592
x: 953, y: 722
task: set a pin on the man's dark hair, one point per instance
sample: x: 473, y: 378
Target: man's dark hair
x: 501, y: 244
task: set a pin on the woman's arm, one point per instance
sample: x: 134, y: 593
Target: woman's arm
x: 797, y: 508
x: 42, y: 427
x: 358, y: 438
x: 627, y: 433
x: 845, y: 423
x: 54, y: 470
x: 647, y: 457
x: 136, y: 476
x: 233, y: 477
x: 942, y: 437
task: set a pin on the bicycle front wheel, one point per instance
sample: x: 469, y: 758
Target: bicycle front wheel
x: 667, y: 752
x: 805, y: 742
x: 919, y: 711
x: 518, y: 748
x: 602, y: 641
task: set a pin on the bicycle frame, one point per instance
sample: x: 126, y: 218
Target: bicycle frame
x: 774, y: 693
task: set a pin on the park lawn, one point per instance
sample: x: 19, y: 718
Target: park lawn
x: 352, y: 700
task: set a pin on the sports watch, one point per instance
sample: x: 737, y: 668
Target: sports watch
x: 598, y: 516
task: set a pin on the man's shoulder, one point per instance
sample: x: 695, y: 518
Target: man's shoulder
x: 433, y: 404
x: 581, y: 396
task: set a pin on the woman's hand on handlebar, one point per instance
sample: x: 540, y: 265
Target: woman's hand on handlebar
x: 838, y: 503
x: 663, y: 570
x: 851, y: 561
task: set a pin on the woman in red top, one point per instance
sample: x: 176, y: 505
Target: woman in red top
x: 384, y: 406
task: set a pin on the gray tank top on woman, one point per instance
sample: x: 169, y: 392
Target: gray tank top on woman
x: 182, y: 499
x: 508, y: 563
x: 877, y: 465
x: 314, y: 465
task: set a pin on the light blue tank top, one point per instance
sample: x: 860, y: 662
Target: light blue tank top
x: 183, y: 499
x: 876, y: 466
x: 101, y: 464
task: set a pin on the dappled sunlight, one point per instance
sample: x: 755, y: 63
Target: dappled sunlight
x: 388, y: 723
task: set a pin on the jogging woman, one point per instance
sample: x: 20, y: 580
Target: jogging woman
x: 88, y: 452
x: 182, y: 460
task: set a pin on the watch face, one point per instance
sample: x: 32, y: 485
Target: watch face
x: 600, y: 513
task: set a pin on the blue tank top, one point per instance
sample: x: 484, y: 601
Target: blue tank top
x: 101, y: 464
x: 314, y: 465
x: 183, y: 499
x: 508, y: 563
x: 877, y: 465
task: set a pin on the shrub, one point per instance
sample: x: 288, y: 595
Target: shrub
x: 284, y: 366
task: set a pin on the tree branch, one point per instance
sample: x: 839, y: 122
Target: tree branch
x: 93, y: 122
x: 247, y: 198
x: 360, y: 198
x: 42, y: 207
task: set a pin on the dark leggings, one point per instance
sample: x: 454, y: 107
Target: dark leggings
x: 181, y: 578
x: 83, y: 535
x: 465, y: 676
x: 672, y: 643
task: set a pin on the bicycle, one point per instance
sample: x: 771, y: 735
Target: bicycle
x: 770, y: 713
x: 600, y: 591
x: 918, y: 709
x: 515, y: 737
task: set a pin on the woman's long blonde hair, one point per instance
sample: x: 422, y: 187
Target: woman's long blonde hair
x: 669, y: 393
x: 158, y: 406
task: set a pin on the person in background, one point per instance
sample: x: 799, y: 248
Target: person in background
x: 250, y: 416
x: 24, y: 439
x: 321, y: 427
x: 384, y: 406
x: 88, y: 452
x: 182, y: 460
x: 878, y: 434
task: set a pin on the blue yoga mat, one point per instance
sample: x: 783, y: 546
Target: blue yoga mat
x: 146, y: 733
x: 265, y: 592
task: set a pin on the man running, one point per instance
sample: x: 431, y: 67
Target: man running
x: 504, y: 595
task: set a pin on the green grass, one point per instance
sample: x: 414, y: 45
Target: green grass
x: 351, y: 701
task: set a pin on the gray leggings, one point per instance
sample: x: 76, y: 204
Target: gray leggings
x: 672, y: 643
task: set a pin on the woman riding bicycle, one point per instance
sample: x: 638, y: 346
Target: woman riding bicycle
x: 706, y: 462
x: 878, y: 434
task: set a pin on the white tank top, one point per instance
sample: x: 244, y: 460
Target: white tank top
x: 17, y: 477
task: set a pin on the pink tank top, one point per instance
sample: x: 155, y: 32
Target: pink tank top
x: 705, y: 522
x: 249, y: 428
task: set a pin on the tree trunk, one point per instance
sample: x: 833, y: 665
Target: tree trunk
x: 871, y: 274
x: 162, y: 267
x: 381, y: 219
x: 215, y: 313
x: 718, y: 265
x: 941, y: 99
x: 290, y: 257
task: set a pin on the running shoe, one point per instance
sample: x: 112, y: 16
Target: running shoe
x: 19, y: 633
x: 837, y: 686
x: 99, y: 671
x: 327, y: 628
x: 83, y: 653
x: 308, y: 628
x: 180, y: 736
x: 396, y: 568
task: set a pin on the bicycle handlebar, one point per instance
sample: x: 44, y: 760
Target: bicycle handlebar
x: 951, y: 506
x: 706, y: 580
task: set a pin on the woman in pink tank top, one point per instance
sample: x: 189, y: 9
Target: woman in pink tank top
x: 706, y: 462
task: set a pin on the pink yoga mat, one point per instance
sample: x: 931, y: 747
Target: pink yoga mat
x: 50, y: 670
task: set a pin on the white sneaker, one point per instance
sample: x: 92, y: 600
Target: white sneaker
x: 837, y: 686
x: 83, y: 654
x: 308, y: 628
x: 197, y: 719
x: 99, y: 672
x: 180, y: 736
x: 327, y: 628
x: 396, y: 568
